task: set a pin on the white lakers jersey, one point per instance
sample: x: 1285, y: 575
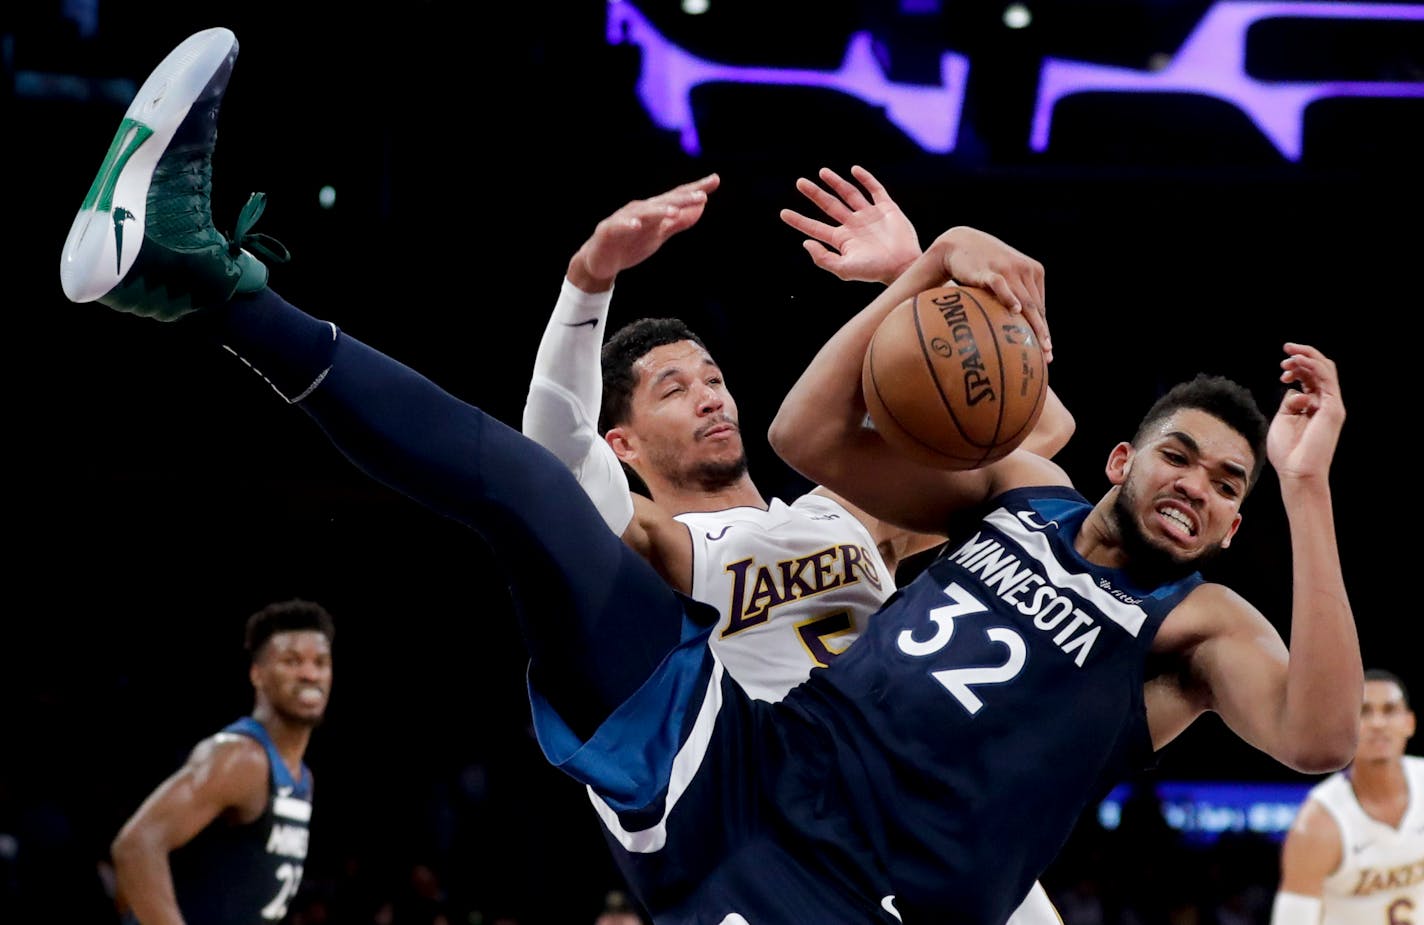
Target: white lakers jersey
x: 1381, y: 876
x: 794, y: 583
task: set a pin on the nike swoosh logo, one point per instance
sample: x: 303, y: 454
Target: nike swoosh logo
x: 888, y: 904
x: 590, y: 322
x: 720, y: 533
x: 1358, y: 848
x: 121, y: 215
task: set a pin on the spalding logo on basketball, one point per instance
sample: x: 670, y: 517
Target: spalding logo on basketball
x: 954, y: 379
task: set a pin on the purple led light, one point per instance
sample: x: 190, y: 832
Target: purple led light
x: 929, y: 114
x: 1211, y: 62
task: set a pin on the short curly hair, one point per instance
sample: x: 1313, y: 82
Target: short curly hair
x: 1220, y: 397
x: 285, y: 617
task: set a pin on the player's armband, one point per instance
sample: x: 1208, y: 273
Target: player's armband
x: 1295, y: 909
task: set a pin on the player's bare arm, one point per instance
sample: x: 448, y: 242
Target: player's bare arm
x: 663, y: 540
x: 1294, y: 704
x: 1311, y: 851
x: 225, y: 775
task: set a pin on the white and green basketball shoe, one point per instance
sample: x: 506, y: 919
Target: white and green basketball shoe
x: 144, y: 241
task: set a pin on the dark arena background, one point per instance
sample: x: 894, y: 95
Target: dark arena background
x: 1203, y: 182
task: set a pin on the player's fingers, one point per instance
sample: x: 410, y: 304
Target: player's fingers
x: 1312, y: 372
x: 833, y: 207
x: 1294, y: 402
x: 821, y: 256
x: 807, y: 226
x: 872, y: 186
x: 850, y: 193
x: 1308, y: 357
x: 999, y: 285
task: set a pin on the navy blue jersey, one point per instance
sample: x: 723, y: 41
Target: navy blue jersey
x: 929, y: 774
x: 247, y: 874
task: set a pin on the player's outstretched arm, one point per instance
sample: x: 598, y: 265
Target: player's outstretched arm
x: 1325, y: 683
x: 222, y: 773
x: 565, y: 392
x: 1300, y: 705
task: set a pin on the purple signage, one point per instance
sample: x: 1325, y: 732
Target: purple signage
x: 1211, y: 62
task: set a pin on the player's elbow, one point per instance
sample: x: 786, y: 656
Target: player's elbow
x: 1324, y: 753
x: 123, y: 849
x: 132, y: 843
x: 785, y: 441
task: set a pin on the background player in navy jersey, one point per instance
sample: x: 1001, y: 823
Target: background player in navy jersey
x: 224, y: 839
x: 931, y: 772
x: 1355, y: 853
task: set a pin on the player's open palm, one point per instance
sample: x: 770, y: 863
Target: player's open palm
x: 1307, y: 424
x: 636, y: 231
x: 871, y: 240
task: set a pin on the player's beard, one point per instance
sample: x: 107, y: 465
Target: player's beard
x: 1148, y: 562
x: 716, y: 475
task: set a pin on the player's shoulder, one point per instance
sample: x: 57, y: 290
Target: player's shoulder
x: 1213, y: 609
x: 230, y: 753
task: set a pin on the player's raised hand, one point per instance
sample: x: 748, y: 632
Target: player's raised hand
x: 871, y: 239
x: 977, y: 258
x: 636, y: 231
x: 1303, y: 434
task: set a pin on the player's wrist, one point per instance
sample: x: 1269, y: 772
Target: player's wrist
x: 1295, y: 909
x: 584, y: 279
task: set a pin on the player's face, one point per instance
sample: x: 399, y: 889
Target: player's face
x: 1180, y: 492
x: 683, y: 424
x: 1386, y: 723
x: 293, y: 673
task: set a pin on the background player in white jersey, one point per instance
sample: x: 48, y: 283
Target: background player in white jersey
x: 793, y: 583
x: 1355, y: 855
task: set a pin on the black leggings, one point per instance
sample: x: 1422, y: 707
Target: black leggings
x: 596, y: 618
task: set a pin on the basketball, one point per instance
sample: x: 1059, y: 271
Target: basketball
x: 954, y: 379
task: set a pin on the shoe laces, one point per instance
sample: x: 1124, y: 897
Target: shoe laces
x: 243, y: 237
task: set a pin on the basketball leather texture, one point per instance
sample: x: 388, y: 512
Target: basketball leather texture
x: 954, y: 379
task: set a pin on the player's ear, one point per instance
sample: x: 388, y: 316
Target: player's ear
x: 623, y: 445
x: 1119, y: 463
x: 1231, y: 531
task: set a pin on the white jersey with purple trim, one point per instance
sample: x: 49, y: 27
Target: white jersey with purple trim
x: 1380, y: 880
x: 795, y: 584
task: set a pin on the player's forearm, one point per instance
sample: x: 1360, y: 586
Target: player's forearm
x: 565, y: 394
x: 569, y: 352
x: 826, y: 406
x: 145, y: 882
x: 1054, y: 429
x: 1325, y: 676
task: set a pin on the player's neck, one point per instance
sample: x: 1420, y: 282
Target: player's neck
x: 290, y: 738
x: 1373, y: 780
x: 684, y: 499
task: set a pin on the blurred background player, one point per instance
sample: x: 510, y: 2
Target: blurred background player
x: 1355, y: 854
x: 223, y: 840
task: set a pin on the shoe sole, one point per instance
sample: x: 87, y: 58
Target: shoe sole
x: 108, y: 231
